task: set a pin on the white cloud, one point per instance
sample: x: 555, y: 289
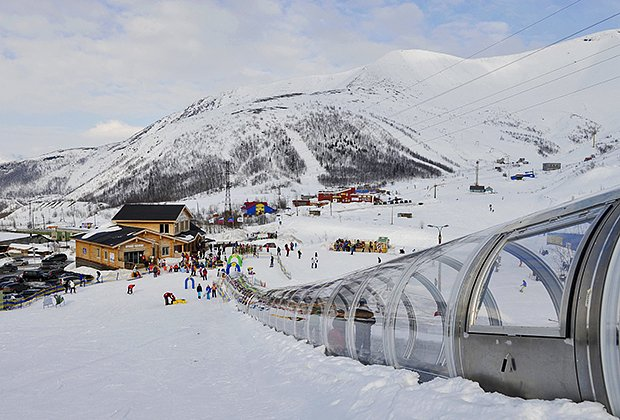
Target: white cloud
x: 138, y: 60
x: 111, y: 131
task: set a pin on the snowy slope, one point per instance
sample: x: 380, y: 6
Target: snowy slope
x: 106, y: 354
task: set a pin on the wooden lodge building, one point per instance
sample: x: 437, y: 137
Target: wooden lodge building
x: 139, y: 232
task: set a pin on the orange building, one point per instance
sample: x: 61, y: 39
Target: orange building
x: 141, y: 233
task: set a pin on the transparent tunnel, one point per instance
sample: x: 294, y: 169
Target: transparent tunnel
x: 529, y: 308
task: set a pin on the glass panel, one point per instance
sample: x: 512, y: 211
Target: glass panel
x: 369, y: 313
x: 423, y: 305
x: 337, y: 318
x: 316, y: 313
x: 303, y: 311
x: 524, y: 283
x: 293, y: 312
x: 268, y: 303
x: 275, y: 309
x: 285, y: 314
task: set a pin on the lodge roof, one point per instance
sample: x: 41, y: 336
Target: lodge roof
x: 149, y: 212
x: 110, y: 236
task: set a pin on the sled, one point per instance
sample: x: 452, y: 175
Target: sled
x: 179, y: 301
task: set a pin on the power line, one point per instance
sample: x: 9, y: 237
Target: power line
x: 504, y: 66
x: 481, y: 51
x: 520, y: 84
x: 520, y: 92
x: 526, y: 108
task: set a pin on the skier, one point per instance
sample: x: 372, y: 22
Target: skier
x: 299, y: 253
x: 130, y: 289
x: 523, y: 286
x: 199, y: 290
x: 99, y: 277
x: 208, y: 292
x: 271, y: 263
x: 72, y: 286
x: 214, y: 290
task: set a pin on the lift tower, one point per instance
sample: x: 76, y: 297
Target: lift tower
x: 227, y: 203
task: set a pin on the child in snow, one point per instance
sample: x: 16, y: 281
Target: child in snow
x: 169, y: 298
x: 199, y: 290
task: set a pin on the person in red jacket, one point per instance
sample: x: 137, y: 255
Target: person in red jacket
x: 169, y: 298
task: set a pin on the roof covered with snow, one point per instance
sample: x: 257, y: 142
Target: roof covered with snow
x: 149, y: 212
x: 11, y: 236
x: 110, y: 237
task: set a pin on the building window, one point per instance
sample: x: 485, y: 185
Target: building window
x: 84, y: 251
x: 112, y: 256
x: 178, y: 248
x: 164, y: 228
x: 105, y: 255
x: 98, y: 253
x: 165, y: 250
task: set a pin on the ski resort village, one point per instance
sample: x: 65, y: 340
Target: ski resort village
x: 304, y: 210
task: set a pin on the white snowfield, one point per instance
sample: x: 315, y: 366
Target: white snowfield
x: 109, y: 355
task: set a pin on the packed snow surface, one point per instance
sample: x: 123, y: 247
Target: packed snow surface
x: 107, y: 354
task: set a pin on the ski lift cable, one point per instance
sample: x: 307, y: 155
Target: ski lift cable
x: 510, y: 63
x: 518, y: 93
x: 480, y: 51
x: 527, y: 108
x: 493, y: 71
x: 523, y: 83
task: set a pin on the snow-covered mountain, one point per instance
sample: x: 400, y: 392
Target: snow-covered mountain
x: 410, y: 114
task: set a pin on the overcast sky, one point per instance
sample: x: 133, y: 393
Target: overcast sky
x: 84, y: 72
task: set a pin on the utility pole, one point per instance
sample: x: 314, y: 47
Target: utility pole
x: 477, y: 170
x: 227, y: 203
x: 439, y: 229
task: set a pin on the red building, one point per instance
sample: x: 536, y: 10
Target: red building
x: 349, y: 195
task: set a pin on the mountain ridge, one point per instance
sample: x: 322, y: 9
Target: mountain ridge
x: 377, y: 123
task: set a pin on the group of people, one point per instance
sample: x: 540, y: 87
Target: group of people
x: 69, y: 286
x: 210, y: 290
x: 359, y: 246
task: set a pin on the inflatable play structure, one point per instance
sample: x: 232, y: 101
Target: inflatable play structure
x: 235, y: 261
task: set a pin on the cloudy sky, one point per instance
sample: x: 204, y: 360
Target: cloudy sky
x: 88, y: 72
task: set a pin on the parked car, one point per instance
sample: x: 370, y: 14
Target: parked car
x: 8, y: 268
x: 36, y: 275
x: 55, y: 258
x: 19, y: 261
x: 17, y: 287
